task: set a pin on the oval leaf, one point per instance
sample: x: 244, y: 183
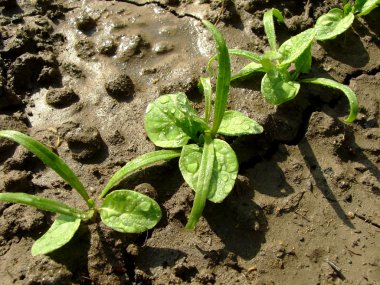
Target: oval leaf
x: 276, y: 88
x: 332, y: 24
x: 170, y: 121
x: 235, y: 123
x: 128, y: 211
x: 224, y: 170
x: 59, y: 234
x: 295, y: 46
x: 353, y: 101
x: 303, y: 62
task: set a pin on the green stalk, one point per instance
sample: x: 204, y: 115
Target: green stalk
x: 203, y: 183
x: 50, y: 159
x: 224, y: 76
x: 46, y: 204
x: 137, y: 163
x: 205, y: 84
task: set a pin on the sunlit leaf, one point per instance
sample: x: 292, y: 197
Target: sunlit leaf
x: 332, y: 24
x: 277, y: 88
x: 225, y: 169
x: 303, y: 62
x: 50, y: 159
x: 248, y: 70
x: 353, y: 101
x: 171, y: 121
x: 295, y: 46
x: 269, y: 26
x: 59, y: 234
x: 236, y: 124
x: 128, y: 211
x: 364, y: 7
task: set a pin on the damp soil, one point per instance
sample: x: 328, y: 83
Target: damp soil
x: 78, y: 75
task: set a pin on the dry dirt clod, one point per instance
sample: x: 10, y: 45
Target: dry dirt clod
x: 61, y: 98
x: 85, y: 49
x: 121, y: 87
x: 147, y: 189
x: 84, y: 142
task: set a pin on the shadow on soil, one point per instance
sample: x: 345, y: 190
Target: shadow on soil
x: 319, y: 177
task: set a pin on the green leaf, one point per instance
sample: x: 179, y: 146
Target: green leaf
x: 245, y: 53
x: 353, y: 101
x: 277, y: 88
x: 303, y: 62
x: 332, y: 24
x: 295, y: 46
x: 204, y: 179
x: 225, y: 169
x: 50, y: 159
x: 171, y: 121
x: 269, y: 26
x: 364, y: 7
x: 45, y: 204
x: 137, y: 163
x: 59, y: 234
x: 224, y: 77
x: 236, y: 124
x: 128, y: 211
x: 205, y: 87
x: 248, y: 70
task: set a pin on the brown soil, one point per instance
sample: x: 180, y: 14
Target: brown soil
x: 305, y: 208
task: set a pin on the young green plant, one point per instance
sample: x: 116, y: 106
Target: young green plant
x: 208, y: 164
x: 280, y: 83
x: 123, y: 210
x: 337, y: 20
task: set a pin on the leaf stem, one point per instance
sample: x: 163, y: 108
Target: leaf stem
x: 203, y: 183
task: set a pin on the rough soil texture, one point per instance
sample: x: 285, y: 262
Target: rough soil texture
x: 78, y: 75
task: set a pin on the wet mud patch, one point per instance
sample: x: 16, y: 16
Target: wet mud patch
x: 78, y: 77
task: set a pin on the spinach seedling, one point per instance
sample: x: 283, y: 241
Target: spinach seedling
x: 281, y: 84
x: 123, y: 210
x: 337, y: 20
x: 208, y: 164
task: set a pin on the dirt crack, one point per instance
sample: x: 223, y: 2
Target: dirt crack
x: 163, y: 6
x: 360, y: 72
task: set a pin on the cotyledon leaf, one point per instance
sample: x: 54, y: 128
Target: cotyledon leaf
x: 128, y: 211
x: 50, y: 159
x: 277, y: 89
x: 235, y: 123
x: 171, y: 121
x: 352, y: 99
x: 204, y: 85
x: 332, y: 24
x: 225, y: 169
x: 59, y: 234
x: 269, y: 26
x: 295, y: 46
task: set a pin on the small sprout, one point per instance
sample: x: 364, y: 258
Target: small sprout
x: 280, y: 84
x: 123, y: 210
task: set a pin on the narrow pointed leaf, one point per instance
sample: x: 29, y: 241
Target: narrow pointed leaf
x: 277, y: 88
x: 269, y: 26
x: 205, y: 86
x: 236, y: 124
x: 224, y: 77
x: 50, y: 159
x: 59, y: 234
x: 45, y: 204
x: 332, y: 24
x: 295, y: 46
x: 364, y: 7
x: 352, y: 99
x: 248, y: 70
x: 128, y: 211
x: 171, y: 121
x: 138, y: 163
x: 245, y: 53
x: 203, y: 182
x: 225, y: 169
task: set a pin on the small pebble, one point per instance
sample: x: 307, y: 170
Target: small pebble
x: 162, y: 47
